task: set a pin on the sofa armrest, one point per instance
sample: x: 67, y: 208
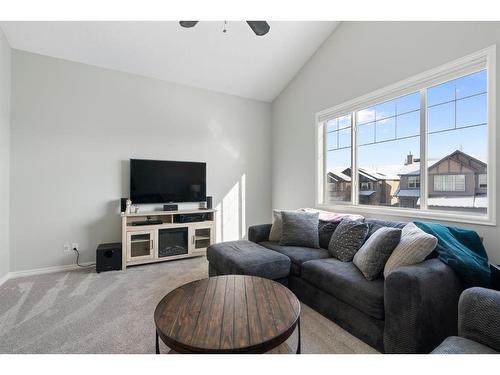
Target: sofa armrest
x: 259, y: 233
x: 479, y: 316
x: 421, y: 304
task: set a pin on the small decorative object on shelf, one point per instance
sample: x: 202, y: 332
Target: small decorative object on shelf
x: 129, y: 205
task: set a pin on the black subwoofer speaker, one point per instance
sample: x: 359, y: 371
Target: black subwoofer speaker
x: 108, y: 257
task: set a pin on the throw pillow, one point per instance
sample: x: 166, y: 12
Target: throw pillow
x: 413, y: 248
x: 373, y: 255
x: 299, y: 229
x: 332, y: 216
x: 347, y: 239
x: 276, y: 227
x: 326, y: 229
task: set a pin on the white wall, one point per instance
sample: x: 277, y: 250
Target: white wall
x: 5, y: 79
x: 74, y: 128
x: 357, y: 59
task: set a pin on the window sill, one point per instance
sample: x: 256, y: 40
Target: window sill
x: 463, y: 218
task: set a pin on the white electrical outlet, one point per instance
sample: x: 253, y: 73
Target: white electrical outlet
x: 74, y: 245
x: 67, y: 248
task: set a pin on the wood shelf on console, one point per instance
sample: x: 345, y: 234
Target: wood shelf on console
x: 167, y: 213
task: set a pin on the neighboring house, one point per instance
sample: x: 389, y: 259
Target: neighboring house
x: 375, y: 188
x: 408, y: 192
x: 339, y: 186
x: 456, y: 181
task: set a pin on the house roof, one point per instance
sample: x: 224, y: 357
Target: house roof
x: 376, y: 175
x: 457, y: 155
x: 337, y: 176
x: 371, y: 174
x: 407, y: 193
x: 366, y: 193
x: 412, y: 169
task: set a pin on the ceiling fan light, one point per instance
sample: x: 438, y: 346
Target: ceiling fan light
x: 259, y: 27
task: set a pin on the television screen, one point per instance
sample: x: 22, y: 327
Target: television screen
x: 156, y: 181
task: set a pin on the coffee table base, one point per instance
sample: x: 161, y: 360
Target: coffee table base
x: 157, y: 341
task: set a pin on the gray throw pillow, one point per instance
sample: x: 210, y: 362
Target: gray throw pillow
x: 373, y: 255
x: 347, y: 239
x: 326, y: 229
x: 300, y: 229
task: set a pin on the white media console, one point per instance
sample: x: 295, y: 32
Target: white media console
x: 167, y: 240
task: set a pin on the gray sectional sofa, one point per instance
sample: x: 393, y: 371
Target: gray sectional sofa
x: 478, y: 324
x: 412, y: 311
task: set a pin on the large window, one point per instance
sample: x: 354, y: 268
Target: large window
x: 420, y: 147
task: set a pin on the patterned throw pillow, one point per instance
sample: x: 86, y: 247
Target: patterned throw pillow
x: 326, y: 229
x: 300, y: 229
x: 373, y: 255
x: 277, y: 227
x: 413, y: 248
x: 347, y: 239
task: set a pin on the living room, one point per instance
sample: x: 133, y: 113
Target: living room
x: 323, y: 186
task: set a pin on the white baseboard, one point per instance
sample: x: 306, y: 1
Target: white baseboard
x: 41, y: 271
x: 4, y: 278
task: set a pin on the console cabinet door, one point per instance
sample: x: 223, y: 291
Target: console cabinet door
x: 200, y: 238
x: 140, y: 245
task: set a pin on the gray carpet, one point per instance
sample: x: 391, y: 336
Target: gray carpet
x: 112, y: 312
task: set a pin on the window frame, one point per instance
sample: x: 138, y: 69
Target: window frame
x: 483, y: 59
x: 413, y: 182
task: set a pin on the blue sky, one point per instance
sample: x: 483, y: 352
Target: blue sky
x: 453, y: 107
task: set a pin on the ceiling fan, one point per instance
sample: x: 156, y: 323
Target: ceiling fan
x: 258, y: 27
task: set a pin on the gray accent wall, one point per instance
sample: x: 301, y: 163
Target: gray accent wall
x: 5, y: 85
x: 358, y: 58
x: 74, y: 128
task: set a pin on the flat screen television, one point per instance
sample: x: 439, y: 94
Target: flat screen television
x: 157, y: 181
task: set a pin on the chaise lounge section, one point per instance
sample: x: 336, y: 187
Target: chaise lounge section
x: 411, y: 311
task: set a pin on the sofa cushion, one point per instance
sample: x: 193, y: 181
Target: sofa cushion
x: 371, y: 258
x: 297, y: 254
x: 461, y: 345
x: 344, y: 281
x: 347, y: 239
x: 247, y: 258
x: 299, y: 229
x: 376, y: 224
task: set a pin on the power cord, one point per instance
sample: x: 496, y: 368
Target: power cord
x: 78, y: 258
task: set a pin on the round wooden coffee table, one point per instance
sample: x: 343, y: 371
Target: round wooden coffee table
x: 228, y: 314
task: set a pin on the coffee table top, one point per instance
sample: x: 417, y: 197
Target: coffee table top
x: 227, y: 314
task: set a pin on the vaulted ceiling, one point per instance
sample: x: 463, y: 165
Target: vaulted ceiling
x: 236, y: 62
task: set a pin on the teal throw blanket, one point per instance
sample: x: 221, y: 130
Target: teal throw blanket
x: 462, y: 250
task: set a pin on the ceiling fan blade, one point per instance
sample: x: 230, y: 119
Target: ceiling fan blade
x: 259, y: 27
x: 188, y: 23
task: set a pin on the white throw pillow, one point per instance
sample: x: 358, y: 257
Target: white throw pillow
x: 415, y: 245
x: 277, y: 227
